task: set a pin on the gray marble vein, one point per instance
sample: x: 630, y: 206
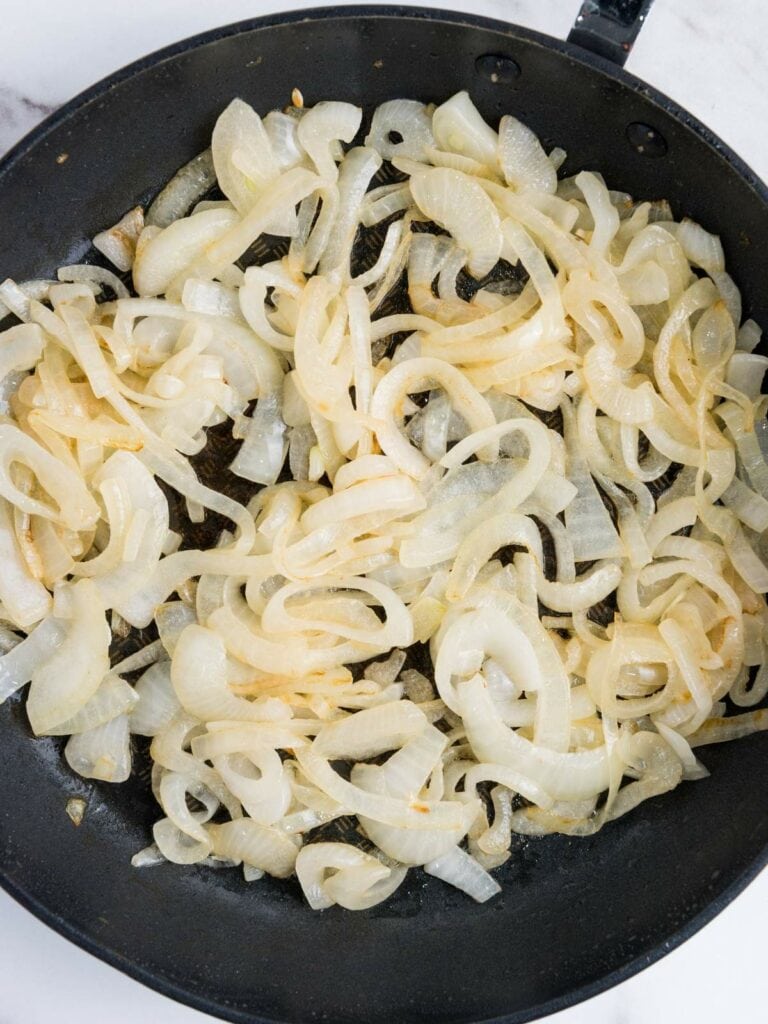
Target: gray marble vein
x: 18, y: 114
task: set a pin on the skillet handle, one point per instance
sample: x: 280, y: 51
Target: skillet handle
x: 609, y: 27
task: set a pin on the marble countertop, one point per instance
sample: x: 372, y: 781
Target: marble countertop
x: 708, y: 56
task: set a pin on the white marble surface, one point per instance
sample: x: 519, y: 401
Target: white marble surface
x: 708, y: 56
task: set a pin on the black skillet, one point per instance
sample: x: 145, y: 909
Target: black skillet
x: 575, y: 915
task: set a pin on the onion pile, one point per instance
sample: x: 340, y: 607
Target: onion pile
x: 544, y: 475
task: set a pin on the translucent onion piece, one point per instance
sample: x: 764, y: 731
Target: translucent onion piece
x: 458, y: 204
x: 97, y: 275
x: 358, y: 882
x: 280, y: 197
x: 171, y: 251
x: 512, y: 637
x: 118, y: 243
x: 25, y: 599
x: 258, y: 780
x: 114, y: 697
x: 150, y: 509
x: 459, y: 128
x: 247, y: 841
x: 459, y: 869
x: 65, y: 682
x: 701, y: 248
x: 157, y: 704
x: 395, y: 632
x: 102, y: 753
x: 745, y: 372
x: 149, y: 857
x: 370, y: 732
x: 324, y: 124
x: 357, y: 169
x: 74, y: 507
x: 19, y: 664
x: 199, y: 676
x: 282, y: 130
x: 242, y: 155
x: 400, y: 128
x: 414, y: 848
x: 262, y: 453
x: 188, y: 185
x: 586, y: 517
x: 523, y: 161
x: 626, y: 404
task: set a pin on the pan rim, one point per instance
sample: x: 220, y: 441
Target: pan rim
x: 173, y: 990
x: 386, y: 11
x: 26, y: 898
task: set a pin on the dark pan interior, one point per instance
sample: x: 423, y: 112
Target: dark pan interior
x: 575, y: 914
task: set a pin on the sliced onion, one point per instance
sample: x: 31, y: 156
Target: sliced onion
x: 242, y: 155
x: 157, y: 703
x: 20, y: 663
x: 184, y: 189
x: 459, y: 869
x: 171, y: 251
x: 199, y: 676
x: 262, y: 453
x: 64, y: 683
x: 370, y: 732
x: 459, y: 128
x: 407, y: 119
x: 522, y: 158
x: 586, y: 517
x: 103, y: 752
x: 118, y: 243
x: 267, y: 849
x: 114, y: 697
x: 359, y: 881
x: 700, y: 247
x: 457, y: 203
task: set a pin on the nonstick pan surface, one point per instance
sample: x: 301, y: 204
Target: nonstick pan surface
x: 575, y: 915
